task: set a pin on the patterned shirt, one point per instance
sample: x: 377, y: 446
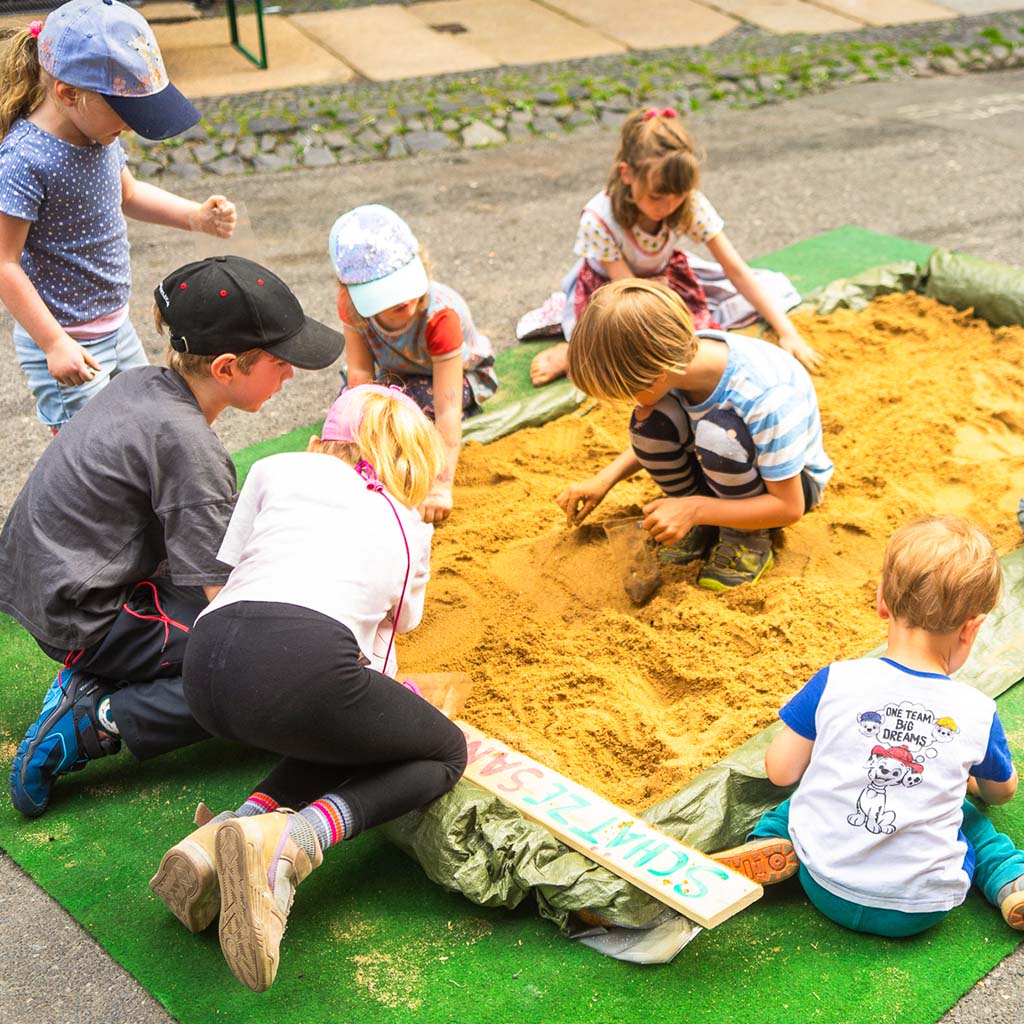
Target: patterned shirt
x: 599, y: 236
x: 444, y: 330
x: 76, y: 252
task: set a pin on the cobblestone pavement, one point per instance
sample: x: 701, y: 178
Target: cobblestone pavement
x: 328, y: 125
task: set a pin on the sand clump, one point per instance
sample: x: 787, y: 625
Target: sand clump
x: 921, y: 413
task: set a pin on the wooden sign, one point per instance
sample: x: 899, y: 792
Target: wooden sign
x: 682, y: 878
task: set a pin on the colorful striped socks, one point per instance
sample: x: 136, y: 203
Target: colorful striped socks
x: 330, y: 818
x: 258, y: 803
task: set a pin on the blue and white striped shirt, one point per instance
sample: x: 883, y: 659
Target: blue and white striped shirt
x: 773, y: 394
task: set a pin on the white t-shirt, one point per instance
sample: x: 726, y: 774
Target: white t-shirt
x: 307, y: 531
x: 877, y: 816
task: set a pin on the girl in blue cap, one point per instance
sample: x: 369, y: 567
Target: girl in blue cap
x: 403, y: 328
x: 68, y: 87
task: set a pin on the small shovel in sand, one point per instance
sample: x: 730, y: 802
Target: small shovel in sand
x: 632, y: 553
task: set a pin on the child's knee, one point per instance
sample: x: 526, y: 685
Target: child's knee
x: 666, y: 423
x: 454, y: 755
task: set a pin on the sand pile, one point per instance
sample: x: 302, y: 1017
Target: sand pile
x: 921, y: 411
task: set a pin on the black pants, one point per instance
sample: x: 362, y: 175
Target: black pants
x: 288, y: 680
x: 141, y: 656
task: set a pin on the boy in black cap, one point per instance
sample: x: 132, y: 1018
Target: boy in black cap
x: 109, y: 552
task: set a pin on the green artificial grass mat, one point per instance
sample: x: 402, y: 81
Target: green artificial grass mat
x: 371, y: 939
x: 840, y: 253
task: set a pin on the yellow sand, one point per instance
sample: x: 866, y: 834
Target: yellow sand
x: 921, y: 412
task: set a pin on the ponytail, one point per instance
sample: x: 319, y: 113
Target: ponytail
x: 387, y: 429
x: 21, y: 84
x: 402, y: 445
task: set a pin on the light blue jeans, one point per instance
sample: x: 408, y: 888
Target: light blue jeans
x: 996, y: 862
x: 55, y: 403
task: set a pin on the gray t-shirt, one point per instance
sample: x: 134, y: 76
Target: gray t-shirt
x: 135, y: 478
x: 76, y: 252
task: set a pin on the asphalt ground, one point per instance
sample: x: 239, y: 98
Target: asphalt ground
x: 936, y: 160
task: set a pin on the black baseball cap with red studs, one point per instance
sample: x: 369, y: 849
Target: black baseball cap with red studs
x: 230, y: 304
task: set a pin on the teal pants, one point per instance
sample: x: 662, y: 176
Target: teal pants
x: 996, y: 862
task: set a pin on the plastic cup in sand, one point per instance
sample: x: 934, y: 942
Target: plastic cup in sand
x: 632, y: 553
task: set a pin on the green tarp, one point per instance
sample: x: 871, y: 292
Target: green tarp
x: 472, y: 842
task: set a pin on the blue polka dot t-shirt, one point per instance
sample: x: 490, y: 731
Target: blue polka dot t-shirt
x: 76, y: 253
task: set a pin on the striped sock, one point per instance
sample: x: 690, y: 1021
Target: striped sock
x: 331, y: 819
x: 258, y: 803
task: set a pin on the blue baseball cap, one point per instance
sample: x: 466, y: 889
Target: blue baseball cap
x: 108, y: 48
x: 376, y: 256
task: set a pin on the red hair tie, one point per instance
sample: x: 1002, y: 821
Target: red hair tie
x: 667, y: 112
x: 35, y: 27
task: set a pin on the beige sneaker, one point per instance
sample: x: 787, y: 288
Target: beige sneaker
x: 187, y: 877
x: 1011, y: 903
x: 259, y: 865
x: 765, y: 861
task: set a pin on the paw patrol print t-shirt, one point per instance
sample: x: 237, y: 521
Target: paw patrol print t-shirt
x: 877, y: 817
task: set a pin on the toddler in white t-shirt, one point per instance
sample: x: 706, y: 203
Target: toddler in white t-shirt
x: 884, y: 751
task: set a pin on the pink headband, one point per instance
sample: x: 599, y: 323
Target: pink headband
x: 346, y: 414
x: 35, y: 27
x: 667, y: 112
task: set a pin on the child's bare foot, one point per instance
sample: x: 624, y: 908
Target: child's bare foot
x: 550, y: 364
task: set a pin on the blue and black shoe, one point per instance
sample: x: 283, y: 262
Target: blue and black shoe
x: 62, y: 739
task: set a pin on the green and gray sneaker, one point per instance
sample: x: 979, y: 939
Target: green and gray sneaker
x: 691, y: 548
x: 732, y: 564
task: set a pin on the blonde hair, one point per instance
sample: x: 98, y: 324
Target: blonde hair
x: 22, y: 82
x: 664, y: 157
x: 939, y: 572
x: 401, y: 444
x: 196, y: 367
x: 628, y: 335
x: 353, y: 318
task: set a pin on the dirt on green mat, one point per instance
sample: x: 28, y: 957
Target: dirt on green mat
x: 921, y: 412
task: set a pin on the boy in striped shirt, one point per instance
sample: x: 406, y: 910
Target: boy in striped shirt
x: 726, y: 425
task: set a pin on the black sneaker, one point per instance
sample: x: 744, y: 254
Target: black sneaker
x: 691, y: 548
x: 62, y: 739
x: 732, y: 564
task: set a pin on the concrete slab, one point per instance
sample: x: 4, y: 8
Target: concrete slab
x: 201, y: 61
x: 651, y: 24
x: 14, y: 22
x: 889, y: 12
x: 169, y: 11
x: 386, y: 42
x: 972, y: 7
x: 784, y: 16
x: 517, y: 31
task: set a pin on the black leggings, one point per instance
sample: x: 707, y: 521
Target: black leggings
x: 288, y: 680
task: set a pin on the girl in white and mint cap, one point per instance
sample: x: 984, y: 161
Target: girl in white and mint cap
x: 402, y: 328
x: 69, y: 86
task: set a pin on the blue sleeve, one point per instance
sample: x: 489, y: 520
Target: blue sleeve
x: 21, y: 190
x: 997, y: 764
x: 800, y: 711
